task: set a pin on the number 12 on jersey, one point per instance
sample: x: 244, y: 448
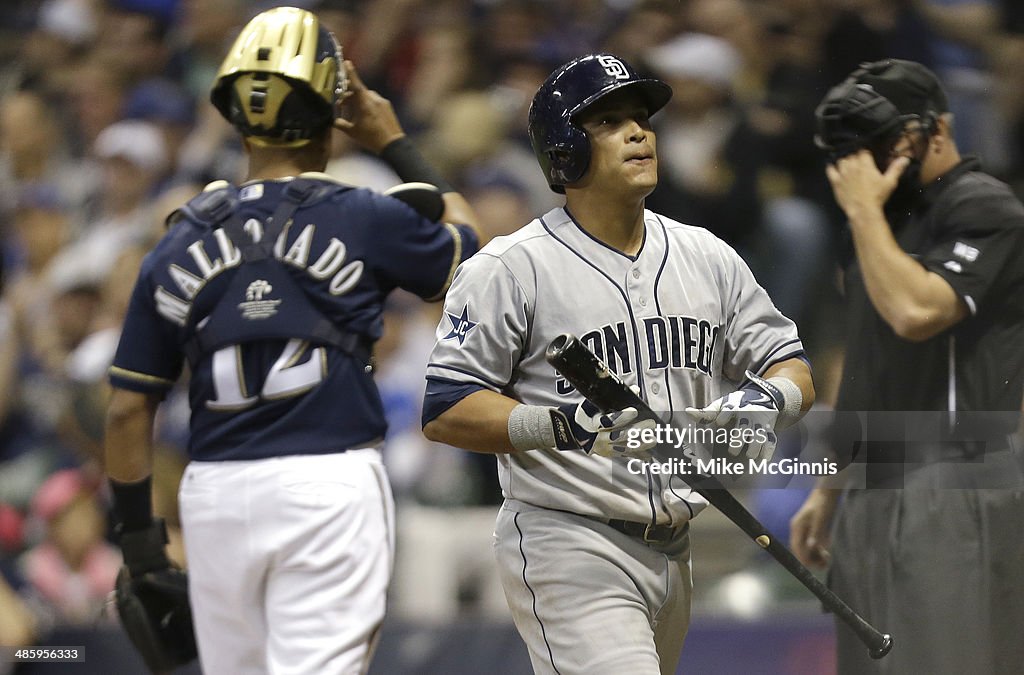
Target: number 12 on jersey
x: 287, y: 377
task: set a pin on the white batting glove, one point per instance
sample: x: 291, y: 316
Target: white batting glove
x: 612, y: 434
x: 754, y: 410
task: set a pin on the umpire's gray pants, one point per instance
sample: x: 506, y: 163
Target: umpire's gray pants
x: 587, y: 598
x: 941, y: 569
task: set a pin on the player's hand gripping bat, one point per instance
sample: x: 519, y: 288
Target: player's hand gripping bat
x: 591, y: 377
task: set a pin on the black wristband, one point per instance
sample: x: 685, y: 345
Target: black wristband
x: 144, y: 550
x: 412, y: 167
x: 133, y: 504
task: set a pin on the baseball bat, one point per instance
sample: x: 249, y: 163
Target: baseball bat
x: 592, y: 378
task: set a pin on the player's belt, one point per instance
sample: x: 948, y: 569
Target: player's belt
x: 650, y: 534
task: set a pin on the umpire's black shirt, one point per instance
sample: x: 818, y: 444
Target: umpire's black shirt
x: 968, y: 228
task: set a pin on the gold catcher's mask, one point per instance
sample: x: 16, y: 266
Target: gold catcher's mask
x: 280, y: 81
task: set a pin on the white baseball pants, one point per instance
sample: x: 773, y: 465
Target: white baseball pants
x: 289, y: 561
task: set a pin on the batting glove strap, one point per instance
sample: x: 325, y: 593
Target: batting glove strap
x: 561, y: 429
x: 144, y: 550
x: 569, y: 435
x: 577, y: 427
x: 755, y: 392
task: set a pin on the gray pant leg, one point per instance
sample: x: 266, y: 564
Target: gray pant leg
x: 863, y: 537
x: 588, y: 599
x: 940, y: 569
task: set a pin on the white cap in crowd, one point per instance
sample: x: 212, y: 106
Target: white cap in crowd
x: 141, y: 143
x: 697, y: 56
x: 73, y: 21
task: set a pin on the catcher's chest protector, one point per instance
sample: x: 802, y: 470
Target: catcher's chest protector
x: 263, y: 301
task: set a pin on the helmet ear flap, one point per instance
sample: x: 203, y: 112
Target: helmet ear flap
x: 570, y: 159
x: 558, y: 158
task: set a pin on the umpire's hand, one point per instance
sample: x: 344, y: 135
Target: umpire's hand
x: 810, y: 529
x: 859, y: 186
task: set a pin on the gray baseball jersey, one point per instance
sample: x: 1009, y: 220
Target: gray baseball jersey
x: 682, y: 320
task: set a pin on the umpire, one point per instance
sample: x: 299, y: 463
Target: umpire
x: 931, y: 551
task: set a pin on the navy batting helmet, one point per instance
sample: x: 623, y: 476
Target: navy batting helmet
x: 561, y: 145
x: 873, y: 104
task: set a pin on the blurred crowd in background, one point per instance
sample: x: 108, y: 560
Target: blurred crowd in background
x: 105, y: 128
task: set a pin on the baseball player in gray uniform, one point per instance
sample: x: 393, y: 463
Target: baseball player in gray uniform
x: 594, y: 557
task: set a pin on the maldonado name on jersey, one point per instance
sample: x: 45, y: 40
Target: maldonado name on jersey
x: 329, y: 264
x: 671, y: 342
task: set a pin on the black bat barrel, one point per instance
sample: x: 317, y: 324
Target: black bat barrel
x: 589, y: 375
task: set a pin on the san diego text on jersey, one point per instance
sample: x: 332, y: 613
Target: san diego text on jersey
x: 671, y: 342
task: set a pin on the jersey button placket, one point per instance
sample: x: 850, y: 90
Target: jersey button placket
x: 639, y: 290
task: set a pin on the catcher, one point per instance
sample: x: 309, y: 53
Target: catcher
x: 286, y: 511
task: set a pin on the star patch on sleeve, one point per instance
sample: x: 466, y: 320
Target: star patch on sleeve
x: 461, y: 325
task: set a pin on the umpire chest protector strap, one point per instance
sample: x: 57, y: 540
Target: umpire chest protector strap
x: 263, y: 301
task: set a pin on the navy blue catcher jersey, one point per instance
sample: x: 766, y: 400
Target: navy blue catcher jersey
x: 345, y: 251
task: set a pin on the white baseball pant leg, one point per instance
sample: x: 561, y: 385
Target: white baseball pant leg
x: 289, y: 561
